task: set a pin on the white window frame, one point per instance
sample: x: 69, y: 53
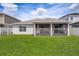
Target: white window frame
x: 22, y: 29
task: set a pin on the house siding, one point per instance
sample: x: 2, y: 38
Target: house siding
x: 75, y: 18
x: 29, y: 29
x: 1, y: 19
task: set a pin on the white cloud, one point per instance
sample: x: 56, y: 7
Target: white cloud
x: 57, y: 11
x: 74, y: 6
x: 9, y: 7
x: 50, y: 12
x: 39, y: 12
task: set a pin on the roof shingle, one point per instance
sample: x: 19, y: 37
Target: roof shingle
x: 46, y: 20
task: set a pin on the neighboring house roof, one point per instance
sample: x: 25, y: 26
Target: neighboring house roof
x: 9, y: 16
x: 69, y: 14
x: 45, y: 20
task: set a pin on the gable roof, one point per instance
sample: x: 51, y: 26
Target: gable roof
x: 45, y: 20
x: 9, y: 16
x: 69, y: 14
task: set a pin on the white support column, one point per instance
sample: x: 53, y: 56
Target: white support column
x: 68, y: 29
x: 69, y: 18
x: 34, y: 30
x: 50, y: 29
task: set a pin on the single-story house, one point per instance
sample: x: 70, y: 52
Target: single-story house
x: 47, y: 26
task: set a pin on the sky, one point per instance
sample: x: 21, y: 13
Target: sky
x: 27, y: 11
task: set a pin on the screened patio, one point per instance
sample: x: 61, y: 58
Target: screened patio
x: 51, y: 29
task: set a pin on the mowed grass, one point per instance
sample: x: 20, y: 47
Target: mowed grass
x: 27, y: 45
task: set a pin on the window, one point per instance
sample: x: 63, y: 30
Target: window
x: 71, y: 17
x: 22, y: 28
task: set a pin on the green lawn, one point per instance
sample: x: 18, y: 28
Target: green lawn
x: 27, y: 45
